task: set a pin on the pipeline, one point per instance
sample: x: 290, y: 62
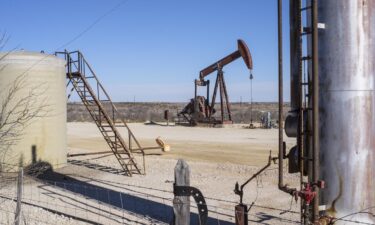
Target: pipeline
x: 282, y: 187
x: 315, y: 101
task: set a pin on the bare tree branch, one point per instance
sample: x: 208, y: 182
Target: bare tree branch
x: 18, y: 109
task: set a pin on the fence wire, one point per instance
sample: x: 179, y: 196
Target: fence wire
x: 56, y: 202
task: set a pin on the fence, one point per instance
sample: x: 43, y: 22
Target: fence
x: 56, y: 199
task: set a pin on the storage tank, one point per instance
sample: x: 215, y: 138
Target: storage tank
x: 347, y: 108
x: 32, y: 91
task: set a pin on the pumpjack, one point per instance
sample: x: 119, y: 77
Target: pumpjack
x: 200, y: 110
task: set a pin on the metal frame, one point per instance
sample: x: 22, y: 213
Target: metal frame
x: 208, y: 108
x: 306, y: 130
x: 102, y: 110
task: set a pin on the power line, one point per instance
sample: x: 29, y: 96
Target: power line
x: 88, y: 28
x: 80, y: 34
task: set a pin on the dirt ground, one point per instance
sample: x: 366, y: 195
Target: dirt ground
x: 92, y: 190
x: 235, y: 144
x: 218, y: 158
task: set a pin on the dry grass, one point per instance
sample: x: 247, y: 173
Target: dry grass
x: 154, y: 111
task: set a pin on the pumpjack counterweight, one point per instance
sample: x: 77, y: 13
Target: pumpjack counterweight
x: 102, y: 111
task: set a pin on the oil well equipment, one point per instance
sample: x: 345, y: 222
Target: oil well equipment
x: 109, y: 120
x: 200, y: 110
x: 33, y: 110
x: 332, y: 59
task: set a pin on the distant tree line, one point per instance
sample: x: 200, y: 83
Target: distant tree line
x: 153, y: 111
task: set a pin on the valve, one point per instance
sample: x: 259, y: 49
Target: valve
x: 307, y: 194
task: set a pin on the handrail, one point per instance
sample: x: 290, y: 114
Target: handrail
x: 79, y: 65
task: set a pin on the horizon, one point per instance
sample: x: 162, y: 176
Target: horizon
x: 163, y: 102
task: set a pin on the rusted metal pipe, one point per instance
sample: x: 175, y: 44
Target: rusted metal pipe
x: 281, y: 100
x: 281, y: 154
x: 295, y: 54
x: 315, y: 84
x: 280, y: 52
x: 238, y: 190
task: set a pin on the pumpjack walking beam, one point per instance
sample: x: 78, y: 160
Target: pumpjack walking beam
x: 102, y: 110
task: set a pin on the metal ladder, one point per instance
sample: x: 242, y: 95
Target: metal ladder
x: 102, y: 110
x: 305, y: 90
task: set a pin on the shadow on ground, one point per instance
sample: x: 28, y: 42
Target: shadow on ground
x: 95, y: 166
x: 147, y: 208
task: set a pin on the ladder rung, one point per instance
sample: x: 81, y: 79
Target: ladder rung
x: 307, y: 158
x: 305, y: 8
x: 92, y: 105
x: 105, y: 123
x: 111, y: 136
x: 306, y: 58
x: 106, y: 131
x: 306, y: 31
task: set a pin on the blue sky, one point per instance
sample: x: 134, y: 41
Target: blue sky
x: 154, y: 49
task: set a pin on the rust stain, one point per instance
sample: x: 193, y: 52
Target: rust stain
x: 332, y: 211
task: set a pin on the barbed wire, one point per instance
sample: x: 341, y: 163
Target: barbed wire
x: 218, y: 210
x: 362, y: 211
x: 212, y: 208
x: 259, y: 185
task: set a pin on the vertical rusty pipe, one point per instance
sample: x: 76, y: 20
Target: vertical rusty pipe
x: 281, y: 184
x: 195, y: 97
x: 295, y: 53
x: 315, y: 74
x: 208, y: 93
x: 280, y: 56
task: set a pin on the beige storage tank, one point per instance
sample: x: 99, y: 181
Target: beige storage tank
x: 33, y: 94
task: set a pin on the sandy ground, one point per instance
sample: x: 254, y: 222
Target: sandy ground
x: 235, y: 145
x: 218, y: 157
x: 91, y: 189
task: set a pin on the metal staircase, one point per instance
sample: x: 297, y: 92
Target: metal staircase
x: 102, y: 110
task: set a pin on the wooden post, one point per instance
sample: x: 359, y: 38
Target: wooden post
x: 17, y: 217
x: 181, y: 204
